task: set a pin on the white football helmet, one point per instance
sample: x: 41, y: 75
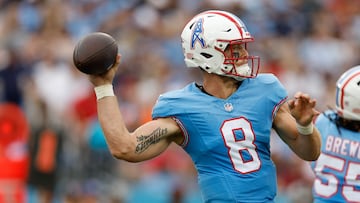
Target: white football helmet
x: 205, y: 38
x: 348, y: 94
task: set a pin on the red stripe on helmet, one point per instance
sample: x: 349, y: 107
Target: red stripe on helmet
x: 343, y: 88
x: 228, y: 17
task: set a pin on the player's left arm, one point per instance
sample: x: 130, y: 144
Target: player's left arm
x: 300, y: 110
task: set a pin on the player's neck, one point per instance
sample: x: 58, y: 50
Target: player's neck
x: 221, y: 87
x: 201, y: 87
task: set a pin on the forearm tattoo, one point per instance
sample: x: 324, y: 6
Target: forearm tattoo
x: 144, y: 141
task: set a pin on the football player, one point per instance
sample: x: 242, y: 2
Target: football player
x: 225, y: 122
x: 337, y: 170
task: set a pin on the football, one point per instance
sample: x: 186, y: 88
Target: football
x: 95, y: 53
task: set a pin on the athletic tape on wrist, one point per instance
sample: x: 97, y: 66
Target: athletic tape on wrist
x: 305, y: 130
x: 104, y: 91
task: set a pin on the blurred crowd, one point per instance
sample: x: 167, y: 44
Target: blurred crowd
x: 64, y: 157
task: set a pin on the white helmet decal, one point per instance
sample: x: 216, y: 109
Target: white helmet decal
x: 197, y: 35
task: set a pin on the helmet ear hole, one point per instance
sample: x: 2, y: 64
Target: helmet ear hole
x: 206, y: 55
x: 191, y: 26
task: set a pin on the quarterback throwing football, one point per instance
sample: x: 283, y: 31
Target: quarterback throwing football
x: 225, y: 122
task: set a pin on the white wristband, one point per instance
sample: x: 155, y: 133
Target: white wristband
x: 104, y: 91
x: 305, y: 130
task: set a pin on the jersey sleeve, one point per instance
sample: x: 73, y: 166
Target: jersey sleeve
x: 274, y: 89
x: 170, y: 104
x: 162, y: 107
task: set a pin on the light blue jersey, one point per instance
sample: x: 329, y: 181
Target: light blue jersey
x: 338, y: 168
x: 229, y: 139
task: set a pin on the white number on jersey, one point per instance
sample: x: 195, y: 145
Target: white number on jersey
x: 235, y: 146
x: 330, y: 186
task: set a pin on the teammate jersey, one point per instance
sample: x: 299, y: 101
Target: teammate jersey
x: 229, y: 139
x: 337, y: 170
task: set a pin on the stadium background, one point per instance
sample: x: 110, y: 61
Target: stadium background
x: 306, y: 43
